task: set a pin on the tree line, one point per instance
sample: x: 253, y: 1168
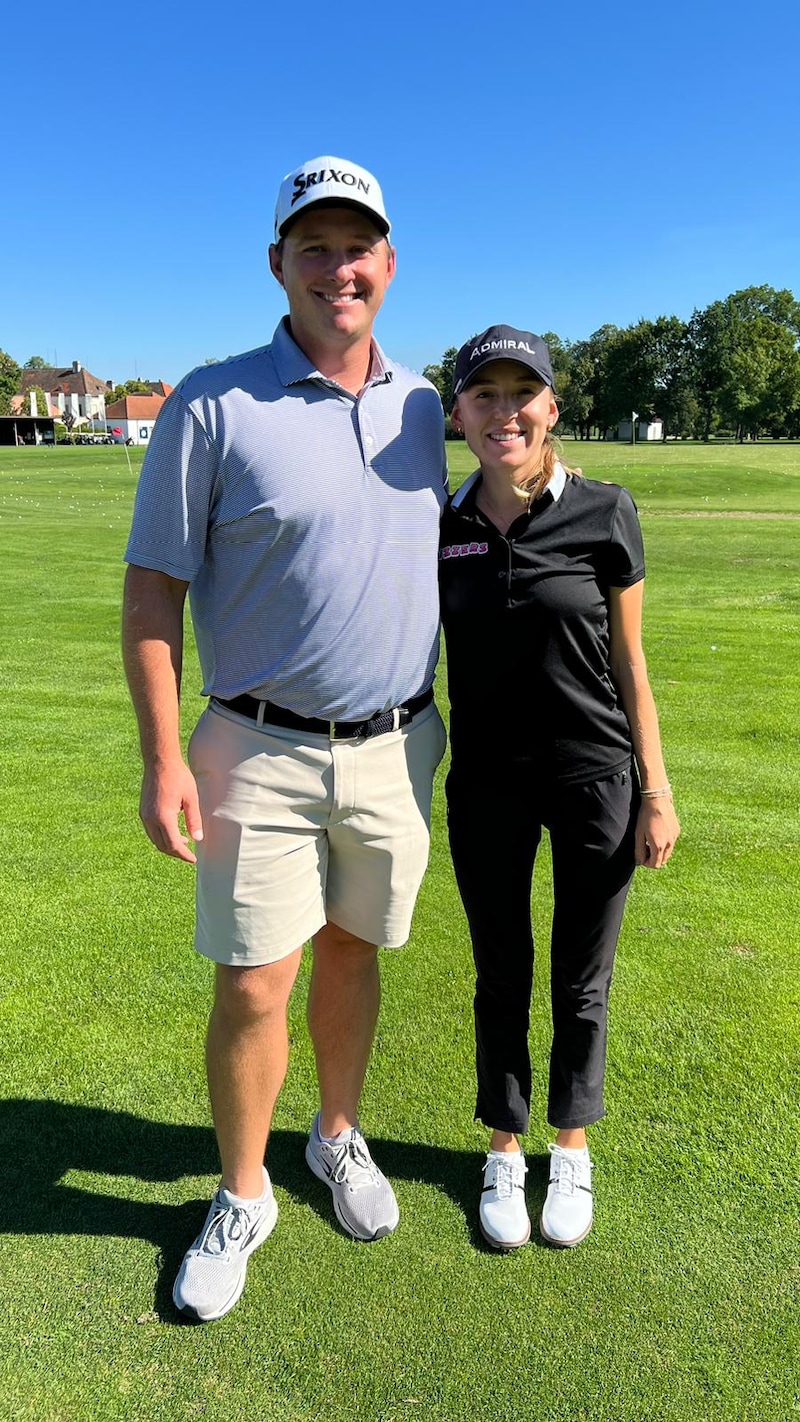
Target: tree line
x: 732, y: 368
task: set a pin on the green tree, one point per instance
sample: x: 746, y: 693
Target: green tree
x: 647, y: 368
x: 559, y: 361
x: 591, y: 360
x: 129, y: 387
x: 671, y: 356
x: 628, y: 375
x: 9, y: 381
x: 35, y: 363
x: 574, y: 390
x: 441, y: 376
x: 746, y: 359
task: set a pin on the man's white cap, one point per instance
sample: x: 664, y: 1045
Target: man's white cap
x: 334, y: 182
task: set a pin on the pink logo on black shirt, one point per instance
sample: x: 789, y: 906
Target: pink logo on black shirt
x: 463, y: 550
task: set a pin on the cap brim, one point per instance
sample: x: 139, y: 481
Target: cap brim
x: 375, y: 218
x: 473, y: 375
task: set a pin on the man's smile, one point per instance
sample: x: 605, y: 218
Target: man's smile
x: 337, y: 298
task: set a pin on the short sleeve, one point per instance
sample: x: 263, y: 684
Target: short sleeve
x: 623, y: 560
x: 174, y: 495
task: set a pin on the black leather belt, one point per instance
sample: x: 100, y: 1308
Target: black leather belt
x: 376, y: 725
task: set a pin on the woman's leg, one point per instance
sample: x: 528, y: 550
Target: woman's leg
x: 493, y: 839
x: 591, y: 830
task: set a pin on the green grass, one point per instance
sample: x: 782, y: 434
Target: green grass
x: 682, y: 1304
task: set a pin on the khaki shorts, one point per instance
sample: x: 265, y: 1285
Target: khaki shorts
x: 301, y: 831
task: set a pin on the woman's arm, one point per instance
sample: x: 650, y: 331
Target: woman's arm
x: 657, y: 827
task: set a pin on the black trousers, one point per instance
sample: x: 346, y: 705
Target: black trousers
x: 495, y: 823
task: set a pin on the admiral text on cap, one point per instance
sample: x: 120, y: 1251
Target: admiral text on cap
x: 501, y: 343
x: 335, y: 182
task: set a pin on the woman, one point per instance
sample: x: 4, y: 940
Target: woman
x: 553, y: 724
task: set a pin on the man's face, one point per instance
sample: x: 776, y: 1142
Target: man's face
x: 334, y: 266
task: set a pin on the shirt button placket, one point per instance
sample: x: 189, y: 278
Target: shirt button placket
x: 367, y: 438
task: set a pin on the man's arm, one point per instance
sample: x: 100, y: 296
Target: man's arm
x: 152, y: 652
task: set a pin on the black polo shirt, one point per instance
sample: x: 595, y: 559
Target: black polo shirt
x: 525, y: 617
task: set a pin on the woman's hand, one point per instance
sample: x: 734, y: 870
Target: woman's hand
x: 657, y: 829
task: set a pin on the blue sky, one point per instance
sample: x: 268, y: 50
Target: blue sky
x: 555, y: 169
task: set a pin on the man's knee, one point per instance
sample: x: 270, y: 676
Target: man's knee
x: 335, y: 940
x: 251, y: 995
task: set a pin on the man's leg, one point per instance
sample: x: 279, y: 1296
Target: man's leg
x: 247, y: 1051
x: 343, y: 1002
x: 246, y: 1055
x: 342, y: 1012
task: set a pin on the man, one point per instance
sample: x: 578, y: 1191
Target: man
x: 295, y: 492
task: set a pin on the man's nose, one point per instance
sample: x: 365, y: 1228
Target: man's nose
x: 340, y: 264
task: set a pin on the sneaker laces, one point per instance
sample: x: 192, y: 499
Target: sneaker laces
x: 227, y: 1226
x: 354, y: 1165
x: 507, y: 1174
x: 565, y: 1169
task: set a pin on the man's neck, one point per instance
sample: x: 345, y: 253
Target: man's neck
x: 348, y: 365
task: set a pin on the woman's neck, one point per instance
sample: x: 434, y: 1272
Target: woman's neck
x: 501, y: 500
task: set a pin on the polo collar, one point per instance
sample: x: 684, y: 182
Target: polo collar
x: 293, y: 366
x: 550, y: 495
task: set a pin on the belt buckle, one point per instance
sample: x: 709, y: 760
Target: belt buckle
x: 340, y: 736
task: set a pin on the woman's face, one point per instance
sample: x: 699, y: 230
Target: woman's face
x: 505, y: 413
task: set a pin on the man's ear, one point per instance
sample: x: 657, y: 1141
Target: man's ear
x: 276, y: 263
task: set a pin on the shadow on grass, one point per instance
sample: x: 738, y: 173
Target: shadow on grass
x: 42, y: 1141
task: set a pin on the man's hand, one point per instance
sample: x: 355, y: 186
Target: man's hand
x: 167, y: 792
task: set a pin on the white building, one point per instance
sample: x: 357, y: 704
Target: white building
x: 69, y: 390
x: 134, y: 417
x: 645, y: 429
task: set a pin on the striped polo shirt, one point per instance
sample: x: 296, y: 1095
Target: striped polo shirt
x: 305, y: 520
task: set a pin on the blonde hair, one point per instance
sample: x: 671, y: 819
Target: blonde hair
x: 551, y: 456
x: 539, y: 481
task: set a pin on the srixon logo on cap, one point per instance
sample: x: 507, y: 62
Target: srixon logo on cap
x: 304, y: 181
x: 502, y: 346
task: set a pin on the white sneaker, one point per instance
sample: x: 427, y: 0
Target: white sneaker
x: 503, y: 1216
x: 567, y: 1214
x: 211, y: 1278
x: 362, y: 1196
